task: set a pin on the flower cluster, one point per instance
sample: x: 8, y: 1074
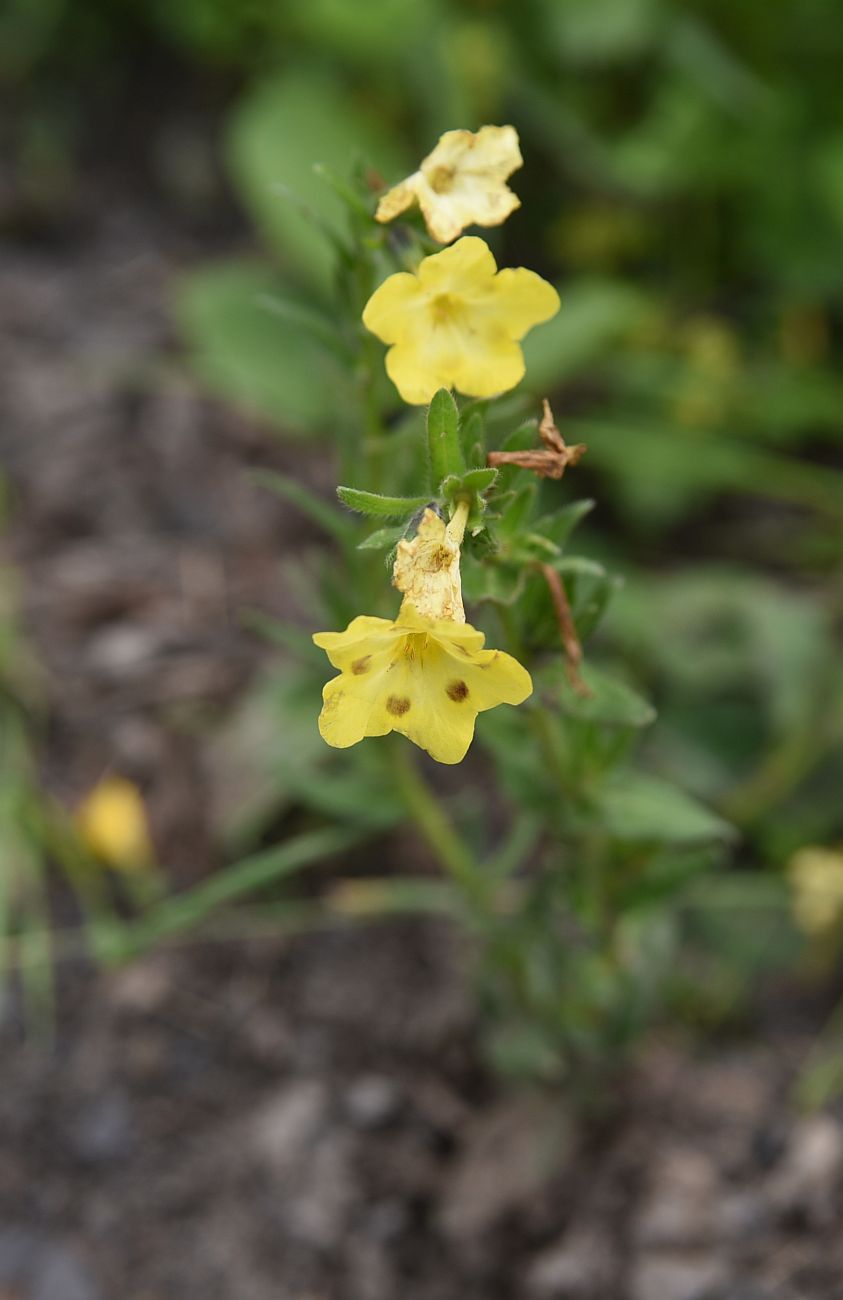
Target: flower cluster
x: 455, y: 322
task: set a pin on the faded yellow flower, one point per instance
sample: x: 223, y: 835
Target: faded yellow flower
x: 427, y: 569
x: 816, y: 876
x: 457, y: 322
x: 112, y: 823
x: 425, y: 674
x: 461, y: 183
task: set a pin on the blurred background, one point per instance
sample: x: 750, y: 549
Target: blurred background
x: 306, y: 1114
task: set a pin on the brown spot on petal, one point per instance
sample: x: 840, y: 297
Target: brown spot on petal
x: 361, y: 665
x: 457, y: 691
x: 397, y: 704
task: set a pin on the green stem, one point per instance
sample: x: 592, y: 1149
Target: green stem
x: 436, y: 827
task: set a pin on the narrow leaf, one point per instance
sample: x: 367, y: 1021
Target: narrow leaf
x: 321, y: 512
x: 443, y: 438
x: 380, y: 538
x: 473, y: 438
x: 370, y: 503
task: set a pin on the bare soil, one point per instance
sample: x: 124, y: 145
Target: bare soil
x: 306, y: 1118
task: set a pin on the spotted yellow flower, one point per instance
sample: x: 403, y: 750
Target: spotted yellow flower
x: 424, y: 674
x: 816, y: 875
x: 112, y: 823
x: 461, y: 183
x: 457, y: 322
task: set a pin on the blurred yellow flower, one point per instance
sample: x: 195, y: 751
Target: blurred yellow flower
x: 457, y: 322
x: 816, y: 876
x: 113, y: 825
x: 425, y: 674
x: 461, y: 183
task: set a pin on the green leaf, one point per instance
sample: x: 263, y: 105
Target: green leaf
x: 473, y: 438
x: 276, y: 134
x: 479, y: 480
x: 322, y: 512
x: 469, y: 484
x: 301, y: 316
x: 611, y: 701
x: 517, y: 510
x: 261, y: 361
x: 371, y: 503
x: 381, y: 538
x: 257, y: 872
x: 443, y: 438
x: 557, y: 527
x: 489, y: 581
x: 637, y: 807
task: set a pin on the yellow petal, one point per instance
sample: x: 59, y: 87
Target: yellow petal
x: 364, y: 635
x: 491, y: 152
x: 348, y: 705
x: 418, y: 370
x: 409, y: 619
x: 523, y: 299
x: 467, y: 204
x: 394, y: 306
x: 464, y: 269
x: 494, y: 367
x: 398, y: 199
x: 490, y: 677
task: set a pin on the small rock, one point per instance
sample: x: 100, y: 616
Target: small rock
x: 372, y: 1100
x: 807, y: 1179
x: 102, y: 1130
x: 681, y: 1207
x: 285, y: 1128
x: 676, y: 1276
x: 386, y: 1220
x: 741, y: 1215
x: 123, y: 649
x: 511, y: 1153
x: 321, y: 1194
x: 60, y: 1275
x: 37, y: 1268
x: 580, y: 1264
x: 143, y: 986
x: 311, y: 1163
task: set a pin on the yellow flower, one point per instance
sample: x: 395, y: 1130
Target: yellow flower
x: 816, y: 876
x: 427, y: 678
x: 457, y: 322
x: 425, y: 674
x: 112, y: 823
x: 461, y: 183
